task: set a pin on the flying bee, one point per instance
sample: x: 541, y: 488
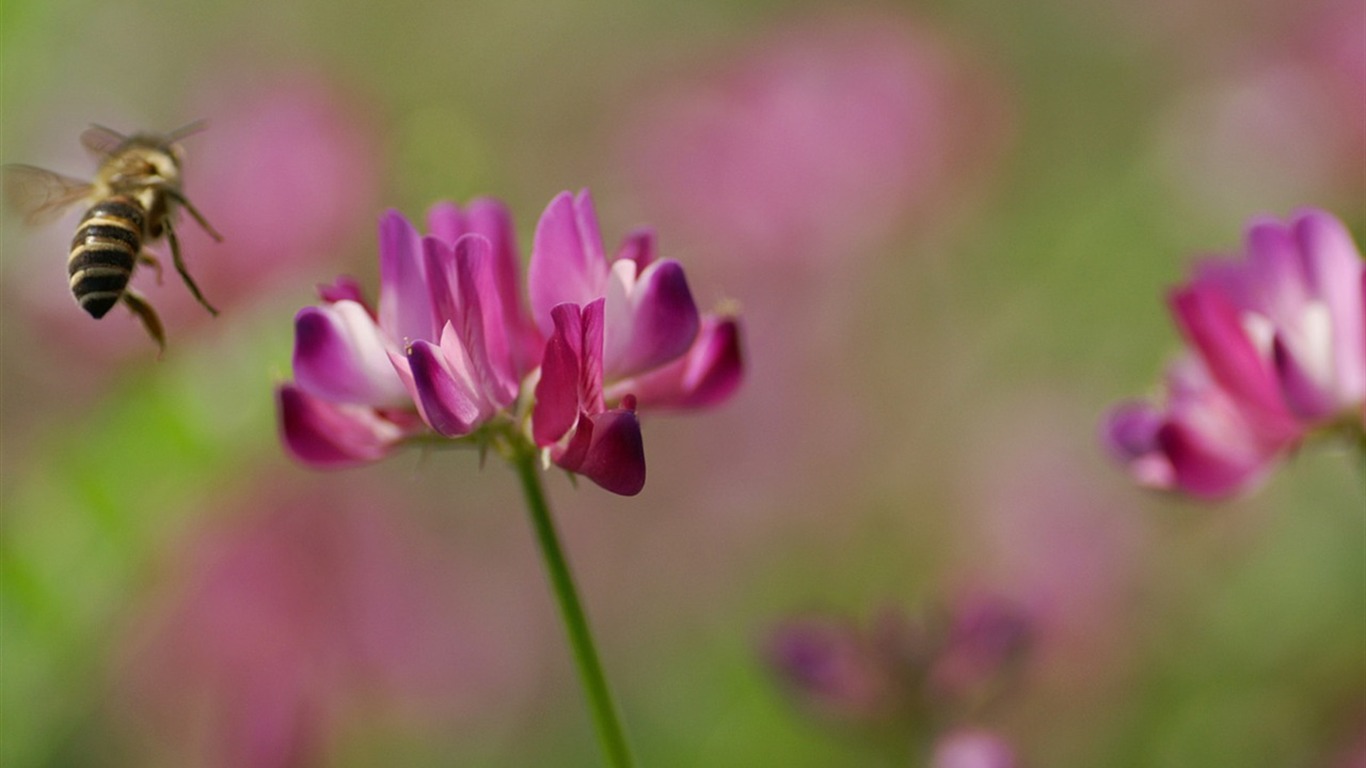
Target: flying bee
x: 133, y: 200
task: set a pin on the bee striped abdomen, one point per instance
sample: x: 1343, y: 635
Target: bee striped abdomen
x: 104, y: 252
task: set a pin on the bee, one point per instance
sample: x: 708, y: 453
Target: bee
x: 133, y: 200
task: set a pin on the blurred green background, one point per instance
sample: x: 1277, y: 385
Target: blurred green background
x: 927, y: 370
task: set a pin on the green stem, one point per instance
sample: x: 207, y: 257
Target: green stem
x: 605, y: 718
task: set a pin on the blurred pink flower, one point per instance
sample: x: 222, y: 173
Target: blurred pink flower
x: 287, y: 621
x: 901, y: 669
x: 1285, y: 123
x: 972, y: 748
x: 452, y: 346
x: 821, y: 137
x: 1278, y: 349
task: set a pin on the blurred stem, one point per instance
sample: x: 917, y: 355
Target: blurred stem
x: 605, y: 718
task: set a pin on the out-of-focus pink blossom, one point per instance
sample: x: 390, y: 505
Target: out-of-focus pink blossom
x: 972, y: 748
x: 821, y: 136
x: 901, y: 669
x: 1284, y: 124
x: 285, y: 624
x: 453, y: 347
x: 1278, y: 342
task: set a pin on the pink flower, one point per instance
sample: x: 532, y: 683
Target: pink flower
x: 1278, y: 350
x: 619, y: 334
x: 824, y: 134
x: 453, y: 347
x: 972, y: 748
x: 447, y: 346
x: 901, y: 669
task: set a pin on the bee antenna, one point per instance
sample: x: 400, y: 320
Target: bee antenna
x: 184, y: 131
x: 110, y: 131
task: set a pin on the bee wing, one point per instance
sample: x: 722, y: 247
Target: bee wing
x: 39, y: 195
x: 102, y: 142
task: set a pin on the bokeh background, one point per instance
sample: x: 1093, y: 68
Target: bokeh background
x: 949, y: 225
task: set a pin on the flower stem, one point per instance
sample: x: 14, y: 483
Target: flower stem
x: 610, y: 734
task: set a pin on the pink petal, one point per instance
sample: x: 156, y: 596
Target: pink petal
x: 567, y: 260
x: 1303, y: 393
x: 490, y: 218
x: 344, y: 289
x: 447, y: 401
x: 707, y: 375
x: 557, y: 391
x: 1212, y: 325
x: 1129, y: 433
x: 446, y: 222
x: 609, y: 450
x: 639, y: 247
x: 331, y: 435
x: 571, y: 372
x: 482, y: 322
x: 1205, y: 468
x: 404, y: 300
x: 651, y: 319
x: 339, y: 355
x: 1334, y: 267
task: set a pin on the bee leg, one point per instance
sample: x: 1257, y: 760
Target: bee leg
x: 147, y: 315
x: 180, y: 267
x: 185, y: 203
x: 147, y: 258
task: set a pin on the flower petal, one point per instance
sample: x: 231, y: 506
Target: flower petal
x: 1204, y: 467
x: 490, y: 218
x: 639, y: 246
x: 339, y: 354
x: 332, y: 435
x: 1334, y: 267
x: 447, y: 222
x: 344, y: 288
x: 609, y: 450
x: 567, y: 260
x: 404, y: 299
x: 557, y: 391
x: 447, y: 401
x: 651, y: 319
x: 707, y: 375
x: 1129, y: 433
x: 1212, y: 325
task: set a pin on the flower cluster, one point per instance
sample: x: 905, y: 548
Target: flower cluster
x: 454, y: 349
x: 1278, y: 351
x: 915, y: 675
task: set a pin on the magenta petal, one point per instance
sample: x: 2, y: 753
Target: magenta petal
x: 1201, y: 469
x: 1129, y: 434
x: 344, y: 289
x: 447, y: 222
x: 557, y: 392
x: 639, y: 247
x: 653, y: 324
x: 447, y: 404
x: 329, y: 435
x: 1302, y: 393
x: 1334, y: 267
x: 438, y: 264
x: 490, y: 218
x: 404, y: 304
x: 707, y: 375
x: 567, y: 260
x: 1212, y: 326
x: 609, y: 450
x: 339, y: 355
